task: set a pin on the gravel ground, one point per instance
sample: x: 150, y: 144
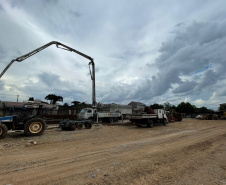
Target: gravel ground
x: 187, y: 152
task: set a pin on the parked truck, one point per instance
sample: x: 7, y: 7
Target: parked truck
x: 149, y: 117
x: 97, y: 115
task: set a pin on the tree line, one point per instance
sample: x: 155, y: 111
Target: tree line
x: 182, y: 108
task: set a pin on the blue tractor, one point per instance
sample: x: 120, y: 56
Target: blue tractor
x: 33, y: 125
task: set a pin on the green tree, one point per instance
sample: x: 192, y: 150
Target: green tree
x: 169, y: 107
x: 76, y: 103
x: 156, y: 106
x: 186, y: 108
x: 65, y: 105
x: 202, y: 110
x: 222, y: 107
x: 54, y: 98
x: 31, y: 99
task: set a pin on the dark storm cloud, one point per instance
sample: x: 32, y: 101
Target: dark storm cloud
x: 75, y: 14
x: 1, y: 85
x: 2, y: 52
x: 51, y: 80
x: 1, y: 8
x: 185, y: 87
x: 52, y: 84
x: 52, y: 1
x: 195, y: 51
x: 124, y: 41
x: 193, y: 48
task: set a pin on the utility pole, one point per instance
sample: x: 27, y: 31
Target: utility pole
x: 17, y: 98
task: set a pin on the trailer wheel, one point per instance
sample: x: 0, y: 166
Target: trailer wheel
x: 72, y: 127
x: 79, y: 126
x: 63, y: 128
x: 34, y: 127
x: 88, y: 125
x: 150, y: 123
x: 3, y: 130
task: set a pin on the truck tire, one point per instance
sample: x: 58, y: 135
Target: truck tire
x: 63, y: 128
x: 72, y: 127
x: 150, y: 123
x: 34, y: 127
x: 88, y: 125
x: 110, y: 120
x: 116, y: 120
x: 3, y: 130
x: 79, y: 126
x: 164, y: 122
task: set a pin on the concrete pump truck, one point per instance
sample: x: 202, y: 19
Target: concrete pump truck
x: 34, y: 125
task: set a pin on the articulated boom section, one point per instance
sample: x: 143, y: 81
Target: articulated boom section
x: 58, y: 44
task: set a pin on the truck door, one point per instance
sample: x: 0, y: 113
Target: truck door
x: 89, y: 113
x: 160, y: 114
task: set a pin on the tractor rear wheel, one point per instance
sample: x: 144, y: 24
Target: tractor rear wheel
x: 34, y: 127
x: 3, y: 130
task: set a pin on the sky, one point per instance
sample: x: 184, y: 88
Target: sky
x: 149, y: 51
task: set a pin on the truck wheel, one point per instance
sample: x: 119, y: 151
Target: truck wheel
x: 88, y: 125
x: 164, y: 122
x: 111, y: 120
x: 63, y: 128
x: 3, y: 130
x: 150, y: 124
x: 79, y: 126
x: 72, y: 127
x: 34, y: 127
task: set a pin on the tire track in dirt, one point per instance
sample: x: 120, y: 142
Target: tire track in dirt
x: 117, y: 155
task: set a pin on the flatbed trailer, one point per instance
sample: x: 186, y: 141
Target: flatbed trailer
x: 75, y: 124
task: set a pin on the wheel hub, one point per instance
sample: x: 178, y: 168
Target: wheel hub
x: 35, y: 127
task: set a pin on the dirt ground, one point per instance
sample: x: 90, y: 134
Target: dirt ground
x: 189, y: 152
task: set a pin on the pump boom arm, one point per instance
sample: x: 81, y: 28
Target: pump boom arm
x: 58, y: 44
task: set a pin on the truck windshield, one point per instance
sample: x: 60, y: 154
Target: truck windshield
x: 83, y: 111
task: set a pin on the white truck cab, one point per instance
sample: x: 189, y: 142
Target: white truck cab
x: 160, y: 113
x: 105, y: 116
x: 87, y: 113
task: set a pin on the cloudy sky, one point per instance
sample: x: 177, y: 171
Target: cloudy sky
x: 151, y: 51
